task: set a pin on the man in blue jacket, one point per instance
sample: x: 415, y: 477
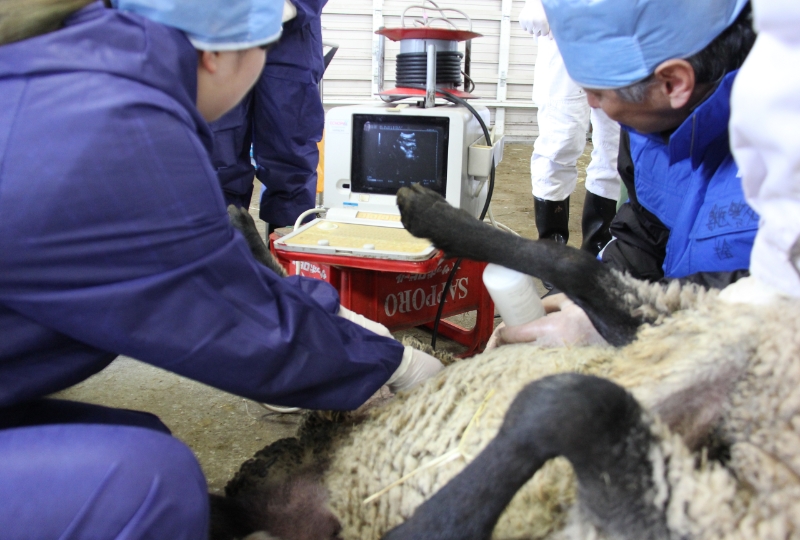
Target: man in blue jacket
x: 664, y: 71
x: 116, y: 241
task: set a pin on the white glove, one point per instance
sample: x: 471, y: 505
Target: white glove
x: 362, y: 321
x: 564, y: 325
x: 749, y: 290
x: 533, y: 19
x: 415, y: 368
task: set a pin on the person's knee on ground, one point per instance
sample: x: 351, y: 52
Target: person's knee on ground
x: 99, y: 481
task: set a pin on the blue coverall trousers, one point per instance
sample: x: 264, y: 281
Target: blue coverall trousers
x: 72, y: 470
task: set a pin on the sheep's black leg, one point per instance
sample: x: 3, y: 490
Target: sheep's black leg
x: 241, y: 219
x: 589, y: 283
x: 594, y: 423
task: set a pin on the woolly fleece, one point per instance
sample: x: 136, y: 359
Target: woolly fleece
x: 705, y: 366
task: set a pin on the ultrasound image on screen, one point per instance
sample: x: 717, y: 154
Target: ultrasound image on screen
x: 396, y: 152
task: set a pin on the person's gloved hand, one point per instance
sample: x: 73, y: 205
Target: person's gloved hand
x: 564, y: 325
x: 533, y: 19
x: 362, y: 321
x: 415, y: 368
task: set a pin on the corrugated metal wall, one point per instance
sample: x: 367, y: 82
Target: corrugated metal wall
x: 502, y: 60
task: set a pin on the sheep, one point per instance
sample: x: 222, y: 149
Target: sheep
x: 420, y: 426
x: 431, y: 422
x: 692, y: 379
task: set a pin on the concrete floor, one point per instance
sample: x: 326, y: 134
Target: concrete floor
x: 224, y: 430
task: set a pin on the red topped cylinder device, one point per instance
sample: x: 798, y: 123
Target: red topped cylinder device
x: 412, y: 61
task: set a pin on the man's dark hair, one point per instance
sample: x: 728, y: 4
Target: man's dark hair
x: 727, y: 52
x: 724, y: 54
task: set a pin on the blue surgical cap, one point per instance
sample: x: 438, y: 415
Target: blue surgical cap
x: 615, y: 43
x: 215, y: 25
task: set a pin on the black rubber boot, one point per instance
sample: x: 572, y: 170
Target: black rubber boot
x: 597, y: 215
x: 552, y: 219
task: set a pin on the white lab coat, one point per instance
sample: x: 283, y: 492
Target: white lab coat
x: 563, y: 118
x: 765, y: 139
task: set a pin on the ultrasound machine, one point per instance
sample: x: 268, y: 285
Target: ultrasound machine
x: 423, y: 132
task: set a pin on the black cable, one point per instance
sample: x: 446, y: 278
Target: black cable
x: 469, y: 84
x: 463, y: 102
x: 458, y: 101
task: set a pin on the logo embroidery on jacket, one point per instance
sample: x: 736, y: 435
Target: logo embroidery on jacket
x: 723, y: 249
x: 734, y: 214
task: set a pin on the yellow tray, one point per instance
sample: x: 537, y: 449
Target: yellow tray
x: 323, y: 236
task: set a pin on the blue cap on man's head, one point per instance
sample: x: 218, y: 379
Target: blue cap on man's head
x: 615, y: 43
x: 215, y: 25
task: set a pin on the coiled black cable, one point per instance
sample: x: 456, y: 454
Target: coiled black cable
x: 412, y: 68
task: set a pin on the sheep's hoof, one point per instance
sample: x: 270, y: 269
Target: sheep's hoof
x: 424, y: 212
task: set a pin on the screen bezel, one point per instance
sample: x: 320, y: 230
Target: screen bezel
x: 359, y: 184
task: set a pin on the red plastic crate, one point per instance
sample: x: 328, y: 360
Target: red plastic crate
x: 403, y: 294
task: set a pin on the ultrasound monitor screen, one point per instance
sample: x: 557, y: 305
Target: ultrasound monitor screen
x: 390, y: 152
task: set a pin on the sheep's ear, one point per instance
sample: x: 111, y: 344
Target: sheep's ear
x: 241, y: 219
x: 590, y: 284
x: 691, y: 393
